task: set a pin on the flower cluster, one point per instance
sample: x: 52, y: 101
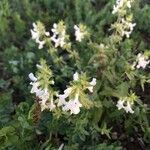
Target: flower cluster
x: 59, y: 34
x: 124, y: 25
x: 59, y: 37
x: 35, y: 32
x: 127, y: 27
x: 80, y: 32
x: 127, y: 108
x: 126, y: 103
x: 70, y: 100
x: 120, y: 4
x: 46, y: 101
x: 141, y: 61
x: 73, y: 104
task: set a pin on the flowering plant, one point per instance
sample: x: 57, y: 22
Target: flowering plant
x: 86, y: 65
x: 122, y: 27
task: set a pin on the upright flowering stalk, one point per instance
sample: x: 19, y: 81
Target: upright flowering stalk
x: 80, y: 32
x: 141, y: 61
x: 72, y: 100
x: 38, y: 34
x: 126, y: 103
x: 127, y: 27
x: 123, y: 26
x: 121, y: 5
x: 74, y: 96
x: 41, y: 86
x: 60, y: 38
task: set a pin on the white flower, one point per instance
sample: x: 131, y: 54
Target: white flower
x: 142, y: 61
x: 35, y: 84
x: 115, y: 9
x: 73, y: 105
x: 90, y: 88
x: 58, y: 41
x: 52, y: 82
x: 128, y: 108
x: 32, y: 77
x: 62, y: 41
x: 76, y: 76
x: 67, y: 91
x: 38, y: 66
x: 45, y: 95
x: 62, y: 97
x: 34, y: 88
x: 61, y: 100
x: 54, y: 29
x: 41, y: 44
x: 39, y: 92
x: 93, y: 82
x: 79, y: 35
x: 61, y: 146
x: 131, y: 25
x: 119, y: 4
x: 129, y: 4
x: 51, y: 105
x: 36, y: 36
x: 35, y: 27
x: 47, y: 33
x: 35, y: 33
x: 58, y: 38
x: 120, y: 104
x: 55, y: 40
x: 127, y: 33
x: 127, y: 27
